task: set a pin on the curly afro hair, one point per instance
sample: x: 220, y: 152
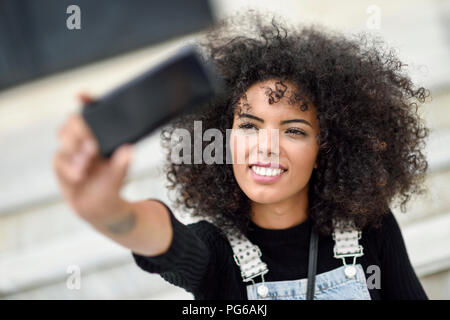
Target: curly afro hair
x: 371, y: 135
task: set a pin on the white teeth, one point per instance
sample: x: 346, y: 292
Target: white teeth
x: 268, y: 172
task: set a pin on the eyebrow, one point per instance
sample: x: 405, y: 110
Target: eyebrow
x: 246, y: 115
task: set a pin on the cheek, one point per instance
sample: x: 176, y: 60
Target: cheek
x: 303, y: 157
x: 239, y: 171
x: 240, y: 146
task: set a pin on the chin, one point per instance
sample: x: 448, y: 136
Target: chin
x: 265, y: 197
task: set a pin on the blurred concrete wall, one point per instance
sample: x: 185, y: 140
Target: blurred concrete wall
x: 42, y: 242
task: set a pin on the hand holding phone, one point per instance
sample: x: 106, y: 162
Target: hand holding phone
x: 181, y: 84
x: 88, y: 182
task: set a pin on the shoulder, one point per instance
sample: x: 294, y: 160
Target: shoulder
x: 384, y: 232
x: 385, y: 224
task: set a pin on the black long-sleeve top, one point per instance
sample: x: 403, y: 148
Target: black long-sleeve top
x: 200, y: 259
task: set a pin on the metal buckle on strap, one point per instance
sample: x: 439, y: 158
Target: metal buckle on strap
x: 247, y: 256
x: 262, y: 267
x: 256, y: 248
x: 262, y: 273
x: 236, y: 260
x: 354, y: 256
x: 355, y: 251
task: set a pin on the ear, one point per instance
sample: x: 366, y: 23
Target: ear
x: 315, y: 165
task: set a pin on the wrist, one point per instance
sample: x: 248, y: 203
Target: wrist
x: 119, y: 211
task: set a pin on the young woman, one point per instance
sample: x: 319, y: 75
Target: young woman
x: 310, y: 202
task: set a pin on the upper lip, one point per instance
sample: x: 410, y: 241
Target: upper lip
x: 268, y: 165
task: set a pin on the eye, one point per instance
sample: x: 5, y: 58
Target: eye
x: 295, y: 132
x: 247, y: 125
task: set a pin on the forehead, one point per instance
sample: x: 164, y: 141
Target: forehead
x: 276, y: 97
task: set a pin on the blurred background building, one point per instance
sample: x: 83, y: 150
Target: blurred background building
x: 43, y: 244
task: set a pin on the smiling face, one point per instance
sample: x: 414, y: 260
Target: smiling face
x: 278, y: 135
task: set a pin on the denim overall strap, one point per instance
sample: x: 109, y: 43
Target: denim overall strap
x: 247, y: 256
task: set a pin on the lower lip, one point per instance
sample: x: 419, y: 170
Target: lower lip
x: 265, y: 179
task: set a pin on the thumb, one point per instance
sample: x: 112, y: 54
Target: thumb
x: 120, y: 161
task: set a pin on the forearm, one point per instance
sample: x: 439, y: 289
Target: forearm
x: 143, y: 227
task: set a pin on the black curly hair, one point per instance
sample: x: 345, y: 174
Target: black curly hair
x: 371, y: 135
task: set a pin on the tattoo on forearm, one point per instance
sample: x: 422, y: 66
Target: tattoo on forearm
x: 123, y: 226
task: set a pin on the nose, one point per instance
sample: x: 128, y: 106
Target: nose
x: 268, y: 143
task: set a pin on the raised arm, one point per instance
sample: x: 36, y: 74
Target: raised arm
x: 91, y: 185
x: 159, y: 242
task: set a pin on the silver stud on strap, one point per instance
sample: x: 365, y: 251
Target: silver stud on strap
x: 262, y: 291
x: 350, y: 271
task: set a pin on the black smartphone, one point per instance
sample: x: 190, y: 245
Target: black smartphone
x: 180, y: 84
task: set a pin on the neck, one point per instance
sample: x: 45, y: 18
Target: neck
x: 283, y: 214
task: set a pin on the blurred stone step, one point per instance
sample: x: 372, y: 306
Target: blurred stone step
x: 125, y: 282
x: 42, y: 265
x: 428, y: 244
x: 41, y: 261
x: 434, y: 202
x: 57, y: 220
x: 437, y: 111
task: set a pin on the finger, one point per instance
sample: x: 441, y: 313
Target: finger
x: 68, y: 175
x: 120, y: 162
x: 70, y: 143
x: 87, y: 157
x: 81, y: 128
x: 85, y: 98
x: 89, y: 144
x: 76, y: 137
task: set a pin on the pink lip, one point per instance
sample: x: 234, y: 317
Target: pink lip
x: 264, y: 179
x: 268, y: 165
